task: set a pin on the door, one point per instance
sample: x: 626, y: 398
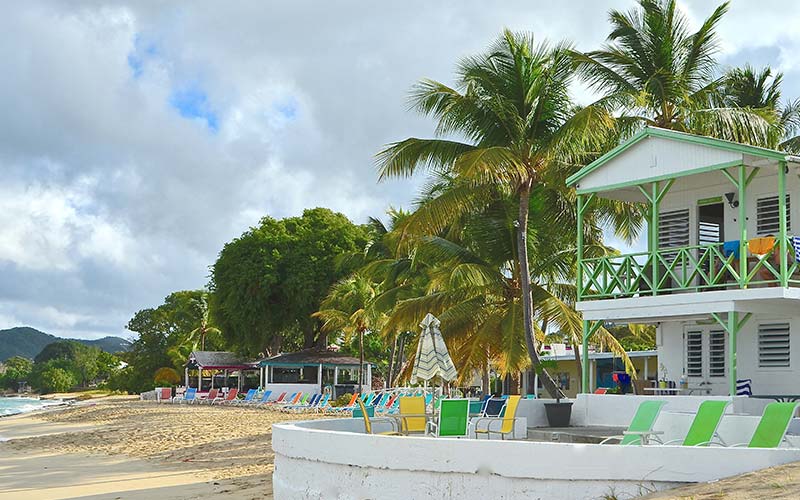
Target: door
x: 710, y: 223
x: 705, y: 359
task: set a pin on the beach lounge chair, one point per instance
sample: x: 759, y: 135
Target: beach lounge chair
x: 348, y: 408
x: 164, y: 394
x: 704, y: 427
x: 212, y: 395
x: 493, y: 407
x: 186, y: 397
x: 369, y: 420
x: 453, y: 419
x: 229, y: 398
x: 323, y: 403
x: 281, y: 397
x: 640, y: 430
x: 302, y: 407
x: 771, y: 429
x: 503, y: 425
x: 264, y: 399
x: 412, y: 405
x: 248, y: 398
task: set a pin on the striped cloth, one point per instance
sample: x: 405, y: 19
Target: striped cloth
x: 432, y: 357
x: 796, y: 246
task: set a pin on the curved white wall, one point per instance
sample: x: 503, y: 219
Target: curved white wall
x: 327, y: 459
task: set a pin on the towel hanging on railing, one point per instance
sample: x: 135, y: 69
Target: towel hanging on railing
x: 796, y: 246
x: 761, y: 246
x: 731, y: 248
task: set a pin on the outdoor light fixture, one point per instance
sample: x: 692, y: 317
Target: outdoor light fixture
x: 730, y: 197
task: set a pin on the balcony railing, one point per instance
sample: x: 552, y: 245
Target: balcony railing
x: 687, y: 269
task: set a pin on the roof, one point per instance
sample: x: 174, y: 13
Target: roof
x: 708, y: 152
x: 217, y: 359
x: 311, y: 357
x: 601, y: 355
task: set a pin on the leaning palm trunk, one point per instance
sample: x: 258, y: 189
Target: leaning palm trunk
x: 360, y: 360
x: 527, y: 299
x: 580, y: 367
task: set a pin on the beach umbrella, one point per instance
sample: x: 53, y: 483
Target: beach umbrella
x: 432, y: 357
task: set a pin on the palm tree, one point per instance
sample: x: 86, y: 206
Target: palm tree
x: 348, y: 309
x: 512, y: 108
x: 747, y: 87
x: 204, y: 328
x: 659, y: 73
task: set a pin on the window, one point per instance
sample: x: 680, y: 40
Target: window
x: 773, y: 345
x: 767, y: 216
x: 694, y: 353
x: 716, y: 353
x: 673, y: 229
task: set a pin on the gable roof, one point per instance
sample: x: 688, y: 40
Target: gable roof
x: 310, y: 357
x: 217, y: 359
x: 682, y: 137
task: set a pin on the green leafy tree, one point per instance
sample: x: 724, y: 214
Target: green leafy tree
x: 512, y: 106
x: 166, y: 376
x: 266, y: 283
x: 17, y: 369
x: 55, y: 379
x: 658, y: 72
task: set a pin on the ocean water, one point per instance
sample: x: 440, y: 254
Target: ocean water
x: 13, y: 406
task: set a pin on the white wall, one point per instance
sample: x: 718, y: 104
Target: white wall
x: 290, y: 388
x: 766, y: 381
x: 345, y: 463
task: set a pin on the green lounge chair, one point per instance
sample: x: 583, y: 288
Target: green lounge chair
x: 640, y: 430
x: 453, y: 419
x: 772, y: 427
x: 705, y: 424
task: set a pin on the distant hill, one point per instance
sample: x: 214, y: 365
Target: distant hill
x: 28, y: 342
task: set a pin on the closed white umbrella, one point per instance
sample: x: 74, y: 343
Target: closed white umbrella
x: 432, y: 357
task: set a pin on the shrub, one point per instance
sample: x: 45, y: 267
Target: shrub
x: 342, y: 400
x: 56, y: 380
x: 166, y: 377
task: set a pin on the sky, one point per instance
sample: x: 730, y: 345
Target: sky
x: 136, y: 138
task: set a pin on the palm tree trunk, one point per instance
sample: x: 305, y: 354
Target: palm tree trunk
x: 576, y: 351
x: 360, y: 360
x: 527, y: 299
x: 485, y: 376
x: 391, y: 362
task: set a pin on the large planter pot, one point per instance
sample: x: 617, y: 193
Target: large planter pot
x: 558, y: 414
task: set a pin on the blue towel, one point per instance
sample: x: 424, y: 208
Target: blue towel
x: 731, y: 248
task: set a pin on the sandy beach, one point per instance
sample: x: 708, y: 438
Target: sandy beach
x: 121, y: 448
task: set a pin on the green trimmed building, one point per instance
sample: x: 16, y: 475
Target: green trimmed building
x: 719, y: 277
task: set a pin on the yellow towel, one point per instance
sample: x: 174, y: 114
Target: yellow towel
x: 761, y: 246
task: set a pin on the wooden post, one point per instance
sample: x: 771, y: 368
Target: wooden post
x: 319, y: 377
x: 186, y: 376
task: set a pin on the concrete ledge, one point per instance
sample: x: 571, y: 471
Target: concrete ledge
x: 334, y: 459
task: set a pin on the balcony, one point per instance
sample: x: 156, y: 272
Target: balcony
x: 690, y: 269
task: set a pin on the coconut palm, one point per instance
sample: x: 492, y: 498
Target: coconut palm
x: 659, y: 73
x: 512, y: 112
x: 349, y: 309
x: 747, y: 87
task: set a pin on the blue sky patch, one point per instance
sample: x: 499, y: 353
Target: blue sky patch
x: 287, y: 108
x: 192, y: 102
x: 142, y: 51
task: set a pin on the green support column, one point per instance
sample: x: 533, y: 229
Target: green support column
x: 782, y: 218
x: 742, y: 185
x: 654, y: 202
x: 732, y: 325
x: 579, y: 272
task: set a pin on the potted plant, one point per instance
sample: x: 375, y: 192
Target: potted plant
x: 560, y: 412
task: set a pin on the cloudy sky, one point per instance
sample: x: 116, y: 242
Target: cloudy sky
x: 137, y: 138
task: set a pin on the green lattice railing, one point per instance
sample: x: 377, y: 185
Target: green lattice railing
x: 691, y: 268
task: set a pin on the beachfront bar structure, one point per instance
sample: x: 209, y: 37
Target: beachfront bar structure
x: 313, y: 370
x: 215, y: 361
x: 719, y: 277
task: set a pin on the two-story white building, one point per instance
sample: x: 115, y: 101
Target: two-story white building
x: 720, y: 278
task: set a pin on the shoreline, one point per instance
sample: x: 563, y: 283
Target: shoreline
x: 124, y: 448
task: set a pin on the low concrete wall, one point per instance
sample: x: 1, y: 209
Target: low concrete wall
x: 345, y: 463
x: 290, y: 388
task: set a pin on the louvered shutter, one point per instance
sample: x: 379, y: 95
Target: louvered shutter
x: 773, y: 345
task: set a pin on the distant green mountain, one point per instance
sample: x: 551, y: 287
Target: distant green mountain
x: 28, y: 342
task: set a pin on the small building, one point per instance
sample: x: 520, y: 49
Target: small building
x: 563, y: 367
x: 312, y: 370
x: 720, y: 278
x: 222, y: 365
